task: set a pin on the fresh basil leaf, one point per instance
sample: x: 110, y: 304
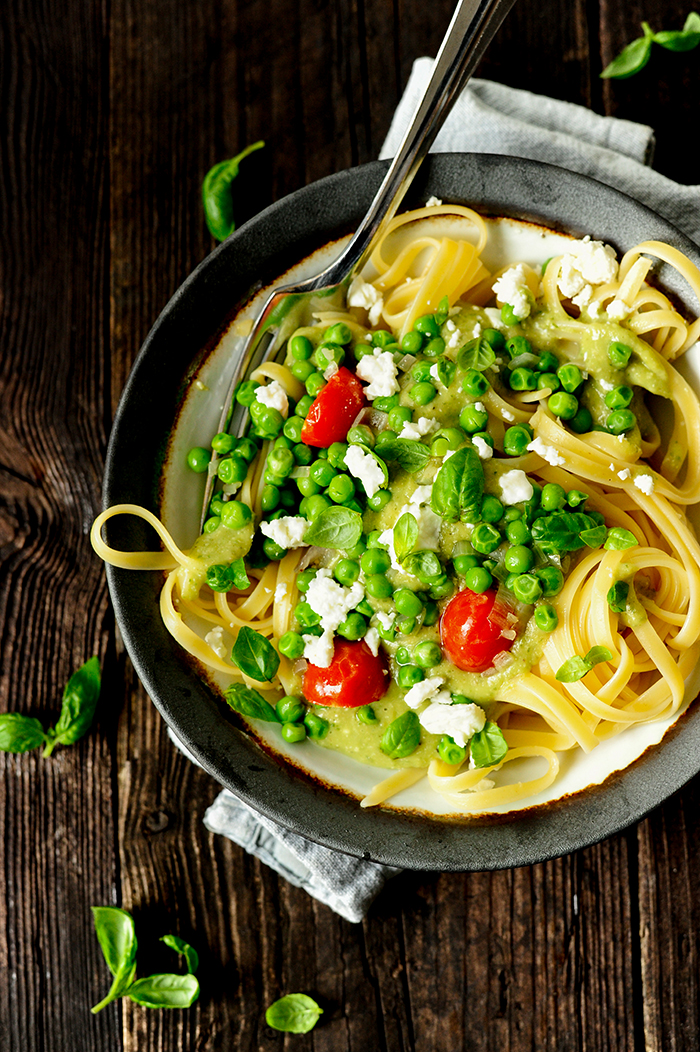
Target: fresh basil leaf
x: 78, y: 706
x: 442, y: 313
x: 488, y: 746
x: 617, y: 596
x: 222, y: 577
x: 573, y: 669
x: 402, y: 736
x: 116, y: 934
x: 184, y: 949
x: 445, y: 371
x: 619, y: 540
x: 425, y: 565
x: 631, y: 59
x: 410, y: 454
x: 405, y: 535
x: 217, y: 197
x: 685, y: 40
x: 562, y: 531
x: 336, y: 527
x: 594, y: 537
x: 164, y: 991
x: 255, y: 655
x: 596, y: 655
x: 459, y: 487
x: 295, y: 1014
x: 19, y: 733
x: 476, y: 354
x: 249, y: 703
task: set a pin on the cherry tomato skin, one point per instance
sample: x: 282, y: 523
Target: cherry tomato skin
x: 470, y: 630
x: 354, y: 677
x: 334, y: 409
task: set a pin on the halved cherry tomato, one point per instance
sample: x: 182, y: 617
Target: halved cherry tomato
x: 470, y: 630
x: 333, y: 410
x: 354, y: 677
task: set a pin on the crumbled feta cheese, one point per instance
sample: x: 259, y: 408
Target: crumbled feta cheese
x: 624, y: 474
x: 583, y: 298
x: 318, y: 650
x: 434, y: 372
x: 418, y: 428
x: 287, y: 531
x: 461, y: 722
x: 433, y: 202
x: 494, y: 316
x: 380, y: 372
x: 482, y: 447
x: 372, y: 640
x: 427, y: 688
x: 281, y: 592
x: 274, y: 396
x: 548, y: 453
x: 617, y: 310
x: 422, y: 494
x: 331, y: 600
x: 455, y: 339
x: 364, y: 466
x: 606, y: 385
x: 515, y: 486
x: 450, y: 325
x: 586, y: 262
x: 512, y: 288
x: 477, y: 331
x: 215, y: 639
x: 645, y: 483
x: 480, y: 407
x: 385, y: 620
x: 507, y: 415
x: 362, y: 294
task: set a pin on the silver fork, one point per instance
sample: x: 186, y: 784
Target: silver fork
x: 471, y: 30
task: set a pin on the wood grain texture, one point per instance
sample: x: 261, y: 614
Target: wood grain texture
x: 112, y: 114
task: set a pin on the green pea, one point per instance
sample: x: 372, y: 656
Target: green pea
x: 484, y: 436
x: 412, y: 342
x: 235, y: 514
x: 292, y: 646
x: 211, y: 524
x: 353, y: 627
x: 574, y: 498
x: 361, y: 436
x: 301, y: 348
x: 215, y: 506
x: 619, y: 354
x: 301, y: 371
x: 570, y: 377
x: 378, y: 586
x: 546, y: 617
x: 346, y: 571
x: 223, y: 443
x: 269, y: 421
x: 427, y: 655
x: 553, y: 496
x: 198, y: 459
x: 519, y: 559
x: 435, y: 347
x: 304, y: 579
x: 315, y: 505
x: 512, y: 513
x: 522, y: 379
x: 409, y: 675
x: 478, y: 579
x: 422, y: 393
x: 431, y: 613
x: 247, y: 448
x: 245, y: 392
x: 308, y: 486
x: 316, y: 726
x: 405, y: 625
x: 329, y: 354
x: 323, y: 473
x: 508, y: 315
x: 463, y: 563
x: 618, y: 398
x: 548, y: 381
x: 269, y: 498
x: 291, y: 429
x: 374, y: 540
x: 273, y: 550
x: 472, y: 419
x: 281, y: 461
x: 518, y: 532
x: 526, y: 588
x: 365, y: 608
x: 338, y: 333
x: 303, y: 405
x: 421, y: 371
x: 494, y: 338
x: 288, y: 498
x: 291, y: 709
x: 517, y: 345
x: 341, y: 489
x: 582, y: 422
x: 314, y: 384
x: 563, y: 404
x: 485, y: 538
x: 293, y: 732
x: 548, y: 363
x: 402, y: 656
x: 384, y: 438
x: 449, y: 437
x: 383, y: 338
x: 552, y: 580
x: 475, y: 383
x: 306, y: 615
x: 386, y: 404
x: 442, y: 588
x: 336, y: 455
x: 407, y: 602
x: 379, y: 500
x: 449, y: 752
x: 516, y: 440
x: 491, y: 509
x: 621, y: 421
x: 366, y: 715
x: 427, y: 325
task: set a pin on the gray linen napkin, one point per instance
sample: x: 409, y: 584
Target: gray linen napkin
x: 488, y: 118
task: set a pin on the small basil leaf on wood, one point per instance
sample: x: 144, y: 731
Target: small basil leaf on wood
x: 222, y: 577
x: 619, y: 539
x: 78, y: 706
x: 477, y: 354
x: 116, y: 934
x: 184, y: 949
x: 685, y: 40
x: 164, y: 991
x: 408, y: 453
x: 217, y: 196
x: 488, y: 746
x: 295, y: 1014
x: 631, y: 59
x: 249, y: 703
x: 459, y: 487
x: 255, y: 655
x: 20, y: 733
x: 336, y: 527
x: 405, y: 535
x: 401, y: 737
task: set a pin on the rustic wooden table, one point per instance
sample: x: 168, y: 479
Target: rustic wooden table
x: 111, y: 114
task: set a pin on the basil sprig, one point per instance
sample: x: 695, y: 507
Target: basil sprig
x: 635, y: 56
x: 19, y: 733
x: 567, y: 531
x: 217, y: 197
x: 249, y: 703
x: 488, y: 746
x: 401, y: 737
x: 335, y: 527
x: 405, y: 535
x: 576, y: 667
x: 117, y: 937
x: 294, y: 1013
x: 459, y: 487
x: 255, y: 655
x: 222, y: 577
x: 477, y: 354
x: 409, y: 453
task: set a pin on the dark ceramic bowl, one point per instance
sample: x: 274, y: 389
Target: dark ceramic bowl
x: 257, y: 254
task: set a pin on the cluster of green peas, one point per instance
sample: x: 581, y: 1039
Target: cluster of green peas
x: 298, y: 721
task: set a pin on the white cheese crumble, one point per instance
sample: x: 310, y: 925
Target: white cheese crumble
x: 450, y: 325
x: 494, y: 316
x: 433, y: 202
x: 385, y: 620
x: 512, y: 288
x: 418, y: 428
x: 515, y: 486
x: 332, y: 601
x: 455, y: 339
x: 617, y: 310
x: 427, y: 688
x: 287, y: 531
x: 624, y: 474
x: 362, y: 294
x: 482, y: 447
x: 215, y: 639
x: 380, y: 372
x: 583, y: 298
x: 548, y: 453
x: 645, y: 483
x: 364, y: 466
x: 318, y: 650
x: 507, y: 415
x: 274, y: 396
x: 372, y: 640
x: 461, y: 722
x: 586, y: 263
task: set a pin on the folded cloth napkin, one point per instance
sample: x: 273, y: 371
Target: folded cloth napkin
x: 487, y: 118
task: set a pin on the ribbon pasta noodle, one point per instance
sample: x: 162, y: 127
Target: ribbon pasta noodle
x: 536, y: 595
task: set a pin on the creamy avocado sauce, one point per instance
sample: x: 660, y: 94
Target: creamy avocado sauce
x: 223, y: 545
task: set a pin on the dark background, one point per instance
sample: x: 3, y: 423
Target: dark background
x: 111, y: 113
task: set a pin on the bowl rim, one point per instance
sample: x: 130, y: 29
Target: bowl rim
x: 268, y: 244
